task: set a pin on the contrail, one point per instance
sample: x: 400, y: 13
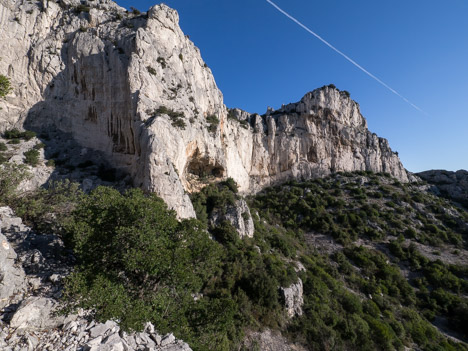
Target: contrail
x: 344, y: 55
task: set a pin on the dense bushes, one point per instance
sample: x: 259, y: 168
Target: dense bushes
x: 214, y: 196
x: 137, y: 263
x: 366, y: 303
x: 341, y: 208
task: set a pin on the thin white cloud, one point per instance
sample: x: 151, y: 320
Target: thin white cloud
x: 344, y: 55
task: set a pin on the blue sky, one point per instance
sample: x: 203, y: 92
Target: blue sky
x: 420, y: 48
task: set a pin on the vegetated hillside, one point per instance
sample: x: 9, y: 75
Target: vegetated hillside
x: 397, y: 261
x: 382, y: 264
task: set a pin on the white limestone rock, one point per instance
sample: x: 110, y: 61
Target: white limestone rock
x: 293, y: 299
x: 36, y: 313
x: 238, y: 215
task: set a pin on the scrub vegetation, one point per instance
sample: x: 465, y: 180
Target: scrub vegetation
x: 381, y: 258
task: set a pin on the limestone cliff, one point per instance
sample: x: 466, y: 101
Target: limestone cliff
x: 136, y: 88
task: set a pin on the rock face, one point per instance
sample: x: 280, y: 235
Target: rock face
x: 453, y: 185
x: 11, y: 274
x: 136, y: 88
x: 293, y: 299
x: 239, y: 216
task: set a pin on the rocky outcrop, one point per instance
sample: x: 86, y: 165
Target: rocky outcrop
x: 323, y: 133
x: 453, y: 185
x: 238, y: 215
x: 36, y: 313
x: 134, y: 87
x: 293, y: 298
x: 11, y: 273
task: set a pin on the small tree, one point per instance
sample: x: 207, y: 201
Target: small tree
x: 11, y: 175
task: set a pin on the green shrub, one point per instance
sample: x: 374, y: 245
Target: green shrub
x: 3, y: 159
x: 137, y: 263
x: 176, y: 117
x: 213, y: 122
x: 11, y: 175
x: 166, y: 111
x: 5, y: 86
x: 31, y: 157
x: 3, y: 147
x: 17, y: 134
x: 12, y: 134
x: 28, y: 135
x: 135, y: 11
x: 44, y: 209
x: 178, y: 122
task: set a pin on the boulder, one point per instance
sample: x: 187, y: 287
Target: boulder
x: 36, y: 313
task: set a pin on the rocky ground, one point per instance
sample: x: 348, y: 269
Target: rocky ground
x: 33, y: 266
x: 271, y: 341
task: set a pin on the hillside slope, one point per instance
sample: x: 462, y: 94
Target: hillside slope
x: 355, y: 261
